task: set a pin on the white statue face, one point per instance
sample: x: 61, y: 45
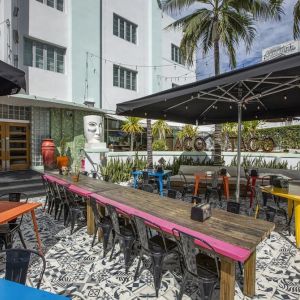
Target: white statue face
x: 93, y: 129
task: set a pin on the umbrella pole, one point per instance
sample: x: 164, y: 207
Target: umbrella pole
x: 237, y: 195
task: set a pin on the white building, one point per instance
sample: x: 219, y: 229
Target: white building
x: 78, y: 52
x: 139, y: 56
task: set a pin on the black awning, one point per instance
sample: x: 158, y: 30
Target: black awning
x: 267, y: 90
x: 12, y: 80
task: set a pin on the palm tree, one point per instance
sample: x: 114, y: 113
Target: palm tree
x: 132, y: 126
x: 220, y: 23
x: 297, y: 20
x: 188, y: 130
x: 161, y: 128
x: 149, y: 144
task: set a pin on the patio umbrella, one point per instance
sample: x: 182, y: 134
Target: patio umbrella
x: 264, y: 91
x: 12, y: 80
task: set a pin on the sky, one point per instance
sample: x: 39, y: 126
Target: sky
x: 268, y: 34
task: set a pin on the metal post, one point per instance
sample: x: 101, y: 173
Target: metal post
x: 237, y: 194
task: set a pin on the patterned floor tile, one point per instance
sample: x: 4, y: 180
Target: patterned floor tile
x: 79, y: 271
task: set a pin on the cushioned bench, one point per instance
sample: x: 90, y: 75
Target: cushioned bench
x: 189, y: 172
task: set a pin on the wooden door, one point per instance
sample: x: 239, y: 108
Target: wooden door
x: 17, y: 149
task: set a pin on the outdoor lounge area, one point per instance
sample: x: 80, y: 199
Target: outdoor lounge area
x: 79, y: 266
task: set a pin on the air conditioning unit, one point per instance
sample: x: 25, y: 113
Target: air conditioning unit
x: 16, y: 36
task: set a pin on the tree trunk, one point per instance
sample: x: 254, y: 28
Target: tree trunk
x: 149, y: 144
x: 217, y: 153
x: 131, y: 141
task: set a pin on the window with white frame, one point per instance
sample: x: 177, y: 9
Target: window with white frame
x: 124, y: 29
x: 176, y: 55
x: 44, y: 56
x: 124, y: 78
x: 58, y: 4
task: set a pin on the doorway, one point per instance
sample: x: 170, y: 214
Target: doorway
x: 14, y: 146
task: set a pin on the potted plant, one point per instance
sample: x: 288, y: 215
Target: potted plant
x: 62, y: 160
x: 104, y: 173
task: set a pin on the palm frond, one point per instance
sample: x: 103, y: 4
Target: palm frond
x: 296, y: 27
x: 179, y: 5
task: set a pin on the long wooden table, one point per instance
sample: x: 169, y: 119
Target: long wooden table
x: 234, y: 237
x: 11, y: 210
x: 293, y: 198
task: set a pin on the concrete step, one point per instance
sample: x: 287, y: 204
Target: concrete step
x: 35, y: 188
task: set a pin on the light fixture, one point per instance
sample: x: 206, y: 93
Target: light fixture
x: 285, y: 97
x: 230, y: 106
x: 145, y: 114
x: 186, y: 107
x: 258, y: 107
x: 165, y: 115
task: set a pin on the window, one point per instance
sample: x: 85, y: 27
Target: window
x: 124, y: 29
x: 58, y: 4
x: 44, y: 56
x: 176, y: 55
x: 124, y: 78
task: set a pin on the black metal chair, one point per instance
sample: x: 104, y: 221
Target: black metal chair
x: 76, y: 209
x: 47, y: 190
x: 54, y: 200
x: 147, y: 188
x: 157, y: 246
x: 17, y: 263
x: 187, y: 188
x: 214, y: 187
x: 233, y: 207
x: 7, y: 231
x: 124, y: 234
x: 198, y: 265
x: 196, y: 199
x: 103, y: 223
x: 62, y: 205
x: 172, y: 194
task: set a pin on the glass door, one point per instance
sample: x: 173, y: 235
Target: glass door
x: 2, y: 147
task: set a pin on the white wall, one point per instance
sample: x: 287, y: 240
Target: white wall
x: 183, y: 73
x: 119, y: 50
x: 46, y: 24
x: 47, y: 84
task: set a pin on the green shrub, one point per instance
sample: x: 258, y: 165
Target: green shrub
x: 159, y: 145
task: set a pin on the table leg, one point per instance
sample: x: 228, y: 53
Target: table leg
x: 36, y: 229
x: 196, y: 187
x: 135, y: 181
x: 90, y: 218
x: 227, y: 285
x: 226, y: 187
x: 253, y: 182
x: 297, y: 223
x: 290, y: 208
x: 160, y: 182
x: 249, y: 275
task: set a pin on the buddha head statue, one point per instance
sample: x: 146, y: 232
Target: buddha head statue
x: 93, y: 130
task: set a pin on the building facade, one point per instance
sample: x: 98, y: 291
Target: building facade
x: 80, y: 57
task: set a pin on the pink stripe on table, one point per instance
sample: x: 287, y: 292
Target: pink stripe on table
x: 80, y: 191
x: 234, y: 252
x: 57, y: 180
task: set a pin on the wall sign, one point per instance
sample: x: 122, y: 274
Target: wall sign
x: 281, y: 50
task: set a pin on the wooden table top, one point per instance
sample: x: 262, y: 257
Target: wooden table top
x: 293, y: 194
x: 235, y: 229
x: 88, y: 183
x: 11, y: 210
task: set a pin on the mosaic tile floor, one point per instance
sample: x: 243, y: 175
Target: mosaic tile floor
x: 76, y: 270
